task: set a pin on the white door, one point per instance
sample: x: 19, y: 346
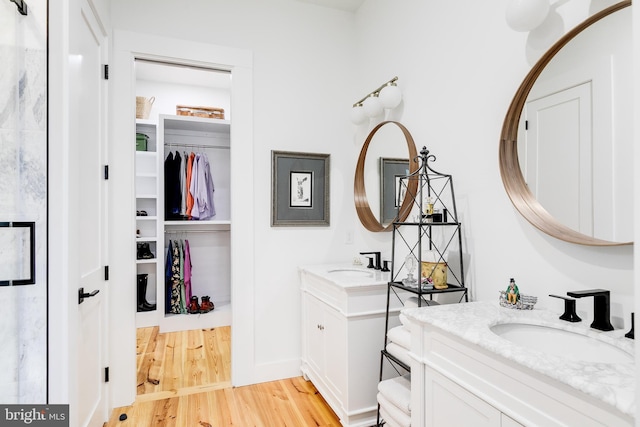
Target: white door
x: 87, y: 145
x: 558, y: 165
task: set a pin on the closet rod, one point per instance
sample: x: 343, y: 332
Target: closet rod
x: 182, y: 144
x: 195, y: 231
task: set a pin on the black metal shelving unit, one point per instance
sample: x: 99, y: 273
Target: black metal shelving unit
x: 433, y: 229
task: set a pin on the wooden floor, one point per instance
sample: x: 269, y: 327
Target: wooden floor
x: 184, y: 379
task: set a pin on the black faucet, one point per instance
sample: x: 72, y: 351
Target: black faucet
x: 377, y: 257
x: 601, y: 307
x: 569, y: 309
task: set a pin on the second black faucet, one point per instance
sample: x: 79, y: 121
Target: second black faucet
x: 601, y: 307
x: 377, y: 258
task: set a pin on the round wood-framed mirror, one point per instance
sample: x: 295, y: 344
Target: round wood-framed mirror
x: 363, y: 209
x: 512, y: 177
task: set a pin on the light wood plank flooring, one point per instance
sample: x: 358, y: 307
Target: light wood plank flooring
x: 184, y: 379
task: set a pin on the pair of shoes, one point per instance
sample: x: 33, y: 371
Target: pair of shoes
x: 141, y: 213
x: 204, y: 307
x: 144, y: 252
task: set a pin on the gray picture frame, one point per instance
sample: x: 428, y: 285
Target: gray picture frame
x: 391, y: 169
x: 300, y: 204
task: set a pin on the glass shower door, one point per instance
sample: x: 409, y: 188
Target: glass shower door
x: 23, y: 202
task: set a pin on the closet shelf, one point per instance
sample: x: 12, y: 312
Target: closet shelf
x: 213, y: 224
x: 146, y: 196
x: 146, y: 218
x: 146, y: 261
x: 147, y: 122
x: 146, y: 239
x: 195, y: 124
x: 146, y: 153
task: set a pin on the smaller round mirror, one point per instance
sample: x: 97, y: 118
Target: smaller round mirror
x: 376, y: 171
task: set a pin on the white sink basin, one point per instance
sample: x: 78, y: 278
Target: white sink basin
x: 572, y: 345
x: 350, y: 272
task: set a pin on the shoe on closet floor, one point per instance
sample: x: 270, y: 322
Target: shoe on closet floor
x: 206, y: 305
x: 193, y: 307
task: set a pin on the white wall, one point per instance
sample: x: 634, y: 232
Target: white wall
x: 302, y: 62
x: 458, y: 72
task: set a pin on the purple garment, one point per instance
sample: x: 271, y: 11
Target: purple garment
x: 187, y: 270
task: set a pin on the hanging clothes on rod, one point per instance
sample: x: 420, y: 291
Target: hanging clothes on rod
x: 177, y: 277
x: 172, y: 189
x: 201, y: 188
x: 189, y: 187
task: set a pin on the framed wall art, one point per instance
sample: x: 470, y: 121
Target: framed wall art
x: 391, y: 194
x: 299, y: 189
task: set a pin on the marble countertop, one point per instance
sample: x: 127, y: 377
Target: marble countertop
x: 609, y: 382
x: 348, y: 275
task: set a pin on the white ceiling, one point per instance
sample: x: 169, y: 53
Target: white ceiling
x: 348, y: 5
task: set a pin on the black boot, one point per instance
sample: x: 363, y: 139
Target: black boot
x: 143, y: 305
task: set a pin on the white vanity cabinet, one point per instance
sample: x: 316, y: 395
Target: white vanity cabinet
x: 449, y: 404
x: 342, y: 334
x: 326, y: 336
x: 456, y: 381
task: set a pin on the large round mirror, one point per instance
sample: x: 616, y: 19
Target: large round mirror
x: 566, y: 145
x: 388, y: 153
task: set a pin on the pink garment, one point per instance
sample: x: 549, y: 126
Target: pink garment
x: 187, y: 270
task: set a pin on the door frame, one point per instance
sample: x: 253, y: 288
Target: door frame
x: 125, y: 48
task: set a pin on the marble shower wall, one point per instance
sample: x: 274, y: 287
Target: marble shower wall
x: 23, y: 197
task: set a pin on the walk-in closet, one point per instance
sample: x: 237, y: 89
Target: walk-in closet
x: 183, y: 197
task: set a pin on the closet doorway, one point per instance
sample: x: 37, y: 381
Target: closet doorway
x: 128, y: 48
x: 183, y: 220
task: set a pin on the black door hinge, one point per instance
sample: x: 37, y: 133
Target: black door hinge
x: 106, y: 171
x: 106, y: 71
x: 526, y: 125
x: 106, y: 374
x: 106, y: 272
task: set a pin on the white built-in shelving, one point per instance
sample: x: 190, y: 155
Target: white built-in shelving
x: 209, y: 239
